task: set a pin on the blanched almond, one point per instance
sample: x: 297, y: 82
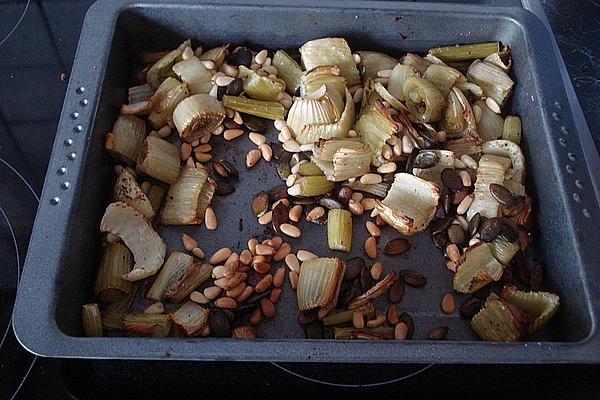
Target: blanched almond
x: 212, y: 292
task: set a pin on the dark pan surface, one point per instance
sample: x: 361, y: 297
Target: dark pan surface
x: 64, y: 251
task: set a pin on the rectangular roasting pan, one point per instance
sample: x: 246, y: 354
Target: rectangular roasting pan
x: 65, y: 246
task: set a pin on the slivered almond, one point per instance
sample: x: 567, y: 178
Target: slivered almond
x: 212, y: 292
x: 198, y: 297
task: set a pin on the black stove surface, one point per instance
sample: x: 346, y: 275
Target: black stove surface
x: 37, y: 45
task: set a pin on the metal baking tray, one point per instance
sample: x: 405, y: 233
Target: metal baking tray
x: 64, y: 251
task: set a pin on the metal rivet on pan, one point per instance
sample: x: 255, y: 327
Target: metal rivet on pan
x: 576, y: 197
x: 569, y: 169
x: 68, y: 142
x: 571, y: 156
x: 586, y: 213
x: 74, y: 115
x: 62, y: 171
x: 84, y: 102
x: 78, y: 129
x: 564, y: 130
x: 72, y: 156
x: 356, y: 17
x: 556, y: 116
x: 578, y: 184
x: 80, y: 89
x: 54, y: 201
x: 65, y: 185
x: 562, y: 142
x: 557, y: 105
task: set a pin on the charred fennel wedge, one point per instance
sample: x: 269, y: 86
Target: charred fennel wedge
x: 127, y: 190
x: 193, y: 318
x: 319, y: 283
x: 197, y: 116
x: 410, y: 204
x: 500, y: 321
x: 476, y: 268
x: 541, y: 306
x: 145, y: 244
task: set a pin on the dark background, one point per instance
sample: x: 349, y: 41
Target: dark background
x: 35, y: 61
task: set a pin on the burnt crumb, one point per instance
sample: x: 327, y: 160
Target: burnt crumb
x: 241, y: 224
x: 403, y: 36
x: 398, y: 18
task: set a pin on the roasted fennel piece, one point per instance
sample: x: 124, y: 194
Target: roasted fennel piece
x: 347, y: 163
x: 164, y: 101
x: 490, y: 125
x: 194, y: 74
x: 141, y: 239
x: 399, y: 75
x: 162, y: 69
x: 424, y: 100
x: 153, y: 325
x: 463, y: 52
x: 375, y: 126
x: 193, y: 318
x: 338, y: 129
x: 198, y: 116
x: 330, y: 51
x: 339, y: 230
x: 319, y: 283
x: 288, y: 70
x: 127, y: 190
x: 512, y: 129
x: 476, y: 268
x: 175, y: 267
x: 500, y: 321
x: 308, y: 186
x: 264, y: 109
x: 331, y: 76
x: 494, y: 82
x: 484, y: 203
x: 159, y: 159
x: 540, y: 306
x: 92, y: 321
x: 183, y: 198
x: 125, y: 141
x: 260, y: 87
x: 374, y: 61
x: 116, y: 262
x: 410, y: 204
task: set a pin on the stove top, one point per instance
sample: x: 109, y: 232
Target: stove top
x: 38, y: 39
